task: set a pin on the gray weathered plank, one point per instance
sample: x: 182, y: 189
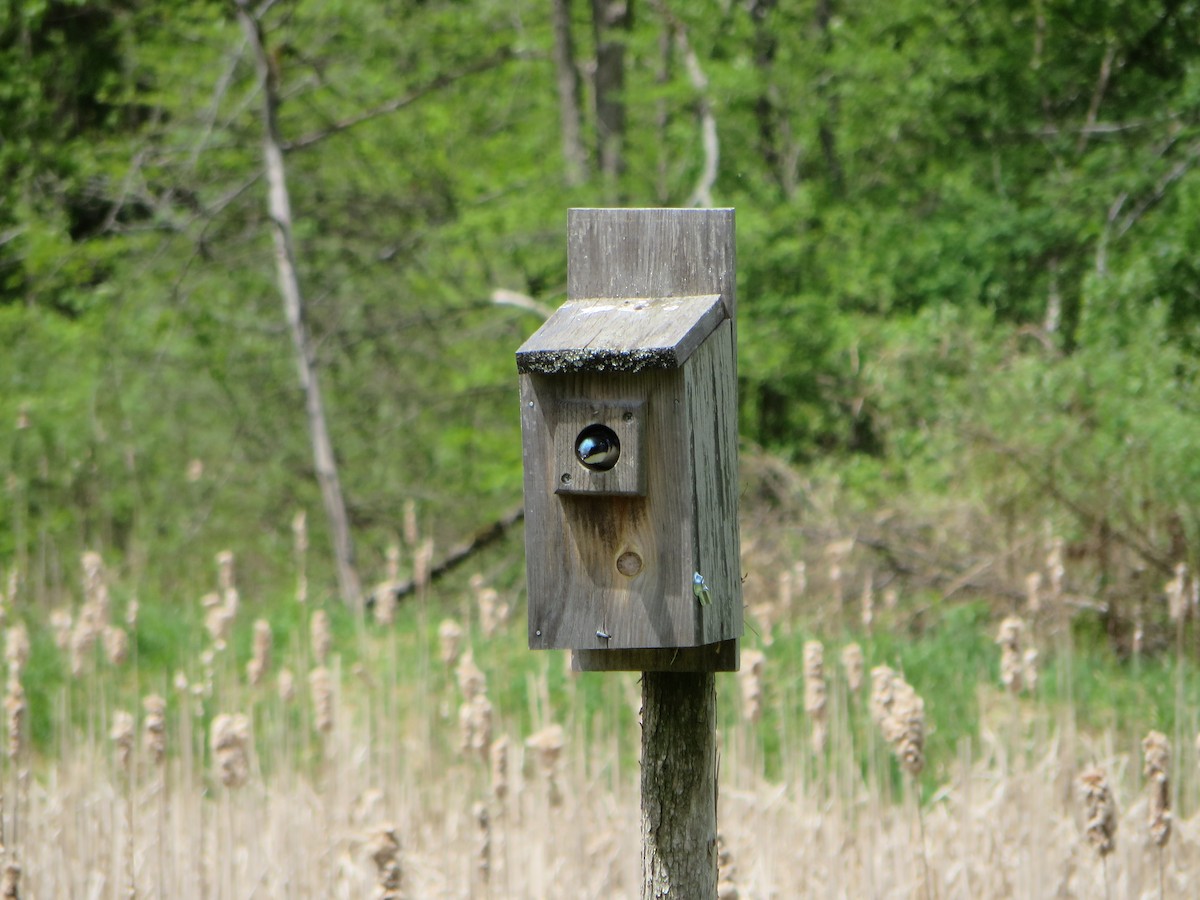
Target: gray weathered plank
x: 621, y: 334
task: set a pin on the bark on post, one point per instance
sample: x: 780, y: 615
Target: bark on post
x: 679, y: 785
x: 280, y: 210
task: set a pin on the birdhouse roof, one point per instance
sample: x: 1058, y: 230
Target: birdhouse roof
x: 621, y: 335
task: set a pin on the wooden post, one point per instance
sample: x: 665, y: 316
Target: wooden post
x: 629, y: 432
x: 645, y: 253
x: 679, y: 785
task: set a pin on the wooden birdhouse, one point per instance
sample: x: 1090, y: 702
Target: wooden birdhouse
x: 629, y: 430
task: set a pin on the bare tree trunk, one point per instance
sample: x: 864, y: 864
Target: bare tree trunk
x: 611, y: 19
x: 679, y: 785
x: 567, y: 76
x: 279, y: 207
x: 828, y: 94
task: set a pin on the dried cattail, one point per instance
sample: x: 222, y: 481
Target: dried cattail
x: 285, y: 685
x: 131, y: 614
x: 218, y: 619
x: 116, y: 645
x: 1029, y: 671
x: 1033, y: 593
x: 471, y: 680
x: 260, y: 660
x: 1139, y: 634
x: 1157, y: 758
x: 14, y: 709
x: 815, y: 694
x: 493, y: 613
x: 1100, y: 810
x: 854, y: 664
x: 386, y: 602
x: 11, y: 883
x: 900, y: 714
x: 882, y: 679
x: 483, y: 857
x: 154, y: 728
x: 384, y: 850
x: 908, y: 711
x: 499, y: 757
x: 475, y: 723
x: 122, y: 734
x: 180, y: 681
x: 320, y: 684
x: 449, y: 641
x: 95, y: 585
x: 547, y: 746
x: 868, y: 604
x: 1011, y: 658
x: 87, y: 630
x: 16, y: 648
x: 726, y: 871
x: 230, y: 744
x: 60, y: 624
x: 750, y: 678
x: 321, y: 636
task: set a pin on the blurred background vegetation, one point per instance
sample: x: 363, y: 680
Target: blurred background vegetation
x: 969, y: 290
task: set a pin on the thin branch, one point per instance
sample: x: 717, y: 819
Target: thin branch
x: 1176, y: 172
x: 441, y: 81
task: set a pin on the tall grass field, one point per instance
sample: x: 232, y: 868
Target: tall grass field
x: 874, y: 744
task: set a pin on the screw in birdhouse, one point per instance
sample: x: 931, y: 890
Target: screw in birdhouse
x: 603, y: 635
x: 700, y: 589
x: 565, y: 478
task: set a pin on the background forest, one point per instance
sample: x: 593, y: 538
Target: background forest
x: 967, y: 259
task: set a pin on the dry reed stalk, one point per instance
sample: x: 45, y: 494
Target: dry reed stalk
x: 750, y: 679
x: 1029, y: 670
x: 816, y: 694
x: 854, y: 664
x: 384, y: 849
x: 218, y: 619
x: 449, y: 642
x: 321, y: 636
x: 475, y: 724
x: 260, y: 660
x: 1033, y: 593
x: 411, y: 532
x: 230, y: 744
x: 784, y: 596
x: 300, y: 554
x: 1055, y: 568
x: 423, y: 565
x: 1100, y: 810
x: 1156, y: 752
x: 868, y: 604
x: 483, y: 853
x: 1011, y: 657
x: 122, y: 733
x: 16, y: 648
x: 1177, y: 594
x: 320, y: 683
x: 499, y: 769
x: 15, y: 709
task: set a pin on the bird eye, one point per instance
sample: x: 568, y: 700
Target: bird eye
x: 598, y: 448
